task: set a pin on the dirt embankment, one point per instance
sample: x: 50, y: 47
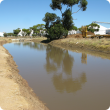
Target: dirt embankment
x: 95, y: 47
x: 15, y: 93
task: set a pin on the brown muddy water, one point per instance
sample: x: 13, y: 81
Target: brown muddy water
x: 63, y: 79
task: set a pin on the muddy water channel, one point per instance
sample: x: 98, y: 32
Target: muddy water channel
x: 63, y: 79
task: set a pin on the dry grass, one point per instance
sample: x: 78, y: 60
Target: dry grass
x: 103, y: 43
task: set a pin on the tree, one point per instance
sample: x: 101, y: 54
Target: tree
x: 16, y: 32
x: 66, y: 20
x: 53, y: 27
x: 57, y: 31
x: 33, y: 35
x: 5, y: 34
x: 57, y: 4
x: 79, y: 29
x: 9, y: 34
x: 91, y: 27
x: 74, y: 28
x: 49, y: 17
x: 37, y: 28
x: 28, y: 32
x: 24, y: 32
x: 40, y: 26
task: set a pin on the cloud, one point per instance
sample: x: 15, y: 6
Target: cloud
x: 108, y: 1
x: 1, y: 1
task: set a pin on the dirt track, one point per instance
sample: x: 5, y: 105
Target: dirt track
x: 15, y: 93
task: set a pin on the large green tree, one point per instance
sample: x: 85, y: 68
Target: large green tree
x: 67, y: 20
x: 57, y: 4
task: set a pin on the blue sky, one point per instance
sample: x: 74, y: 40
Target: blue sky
x: 26, y: 13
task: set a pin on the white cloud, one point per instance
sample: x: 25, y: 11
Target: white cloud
x: 108, y: 1
x: 1, y: 1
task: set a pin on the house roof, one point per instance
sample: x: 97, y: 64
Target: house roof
x: 102, y: 27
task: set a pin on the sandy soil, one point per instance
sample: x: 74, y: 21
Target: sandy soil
x: 15, y: 93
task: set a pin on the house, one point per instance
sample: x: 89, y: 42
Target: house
x: 108, y: 31
x: 2, y: 34
x: 102, y: 30
x: 74, y: 32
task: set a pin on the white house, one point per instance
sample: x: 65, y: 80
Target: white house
x: 74, y: 32
x: 108, y: 31
x: 1, y: 34
x: 102, y: 30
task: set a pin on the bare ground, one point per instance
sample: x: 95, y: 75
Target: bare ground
x: 15, y: 93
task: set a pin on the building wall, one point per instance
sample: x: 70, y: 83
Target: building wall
x: 1, y: 34
x: 74, y: 32
x: 108, y: 31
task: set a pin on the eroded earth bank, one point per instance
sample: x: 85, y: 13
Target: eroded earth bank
x: 15, y: 93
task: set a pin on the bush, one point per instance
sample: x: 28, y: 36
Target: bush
x: 33, y: 35
x: 57, y: 31
x: 5, y: 35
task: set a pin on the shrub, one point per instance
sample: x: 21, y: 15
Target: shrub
x: 5, y: 34
x: 33, y: 35
x: 57, y: 31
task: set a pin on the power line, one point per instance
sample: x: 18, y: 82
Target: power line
x: 101, y: 22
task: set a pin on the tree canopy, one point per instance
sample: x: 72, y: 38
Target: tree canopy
x: 91, y: 27
x: 67, y: 20
x: 16, y: 32
x: 37, y: 28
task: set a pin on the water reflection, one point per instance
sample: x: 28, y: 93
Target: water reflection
x: 84, y: 58
x: 56, y: 59
x: 70, y: 84
x: 32, y: 45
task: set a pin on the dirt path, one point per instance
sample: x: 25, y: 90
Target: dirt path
x: 15, y: 93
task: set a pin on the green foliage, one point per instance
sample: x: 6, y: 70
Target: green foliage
x: 37, y: 28
x: 15, y: 35
x: 57, y: 31
x: 33, y: 35
x: 66, y: 23
x: 28, y: 32
x: 49, y: 17
x: 91, y: 26
x: 24, y: 32
x: 67, y: 20
x: 56, y: 4
x: 16, y: 32
x: 74, y: 28
x: 5, y: 35
x: 9, y: 34
x: 79, y: 29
